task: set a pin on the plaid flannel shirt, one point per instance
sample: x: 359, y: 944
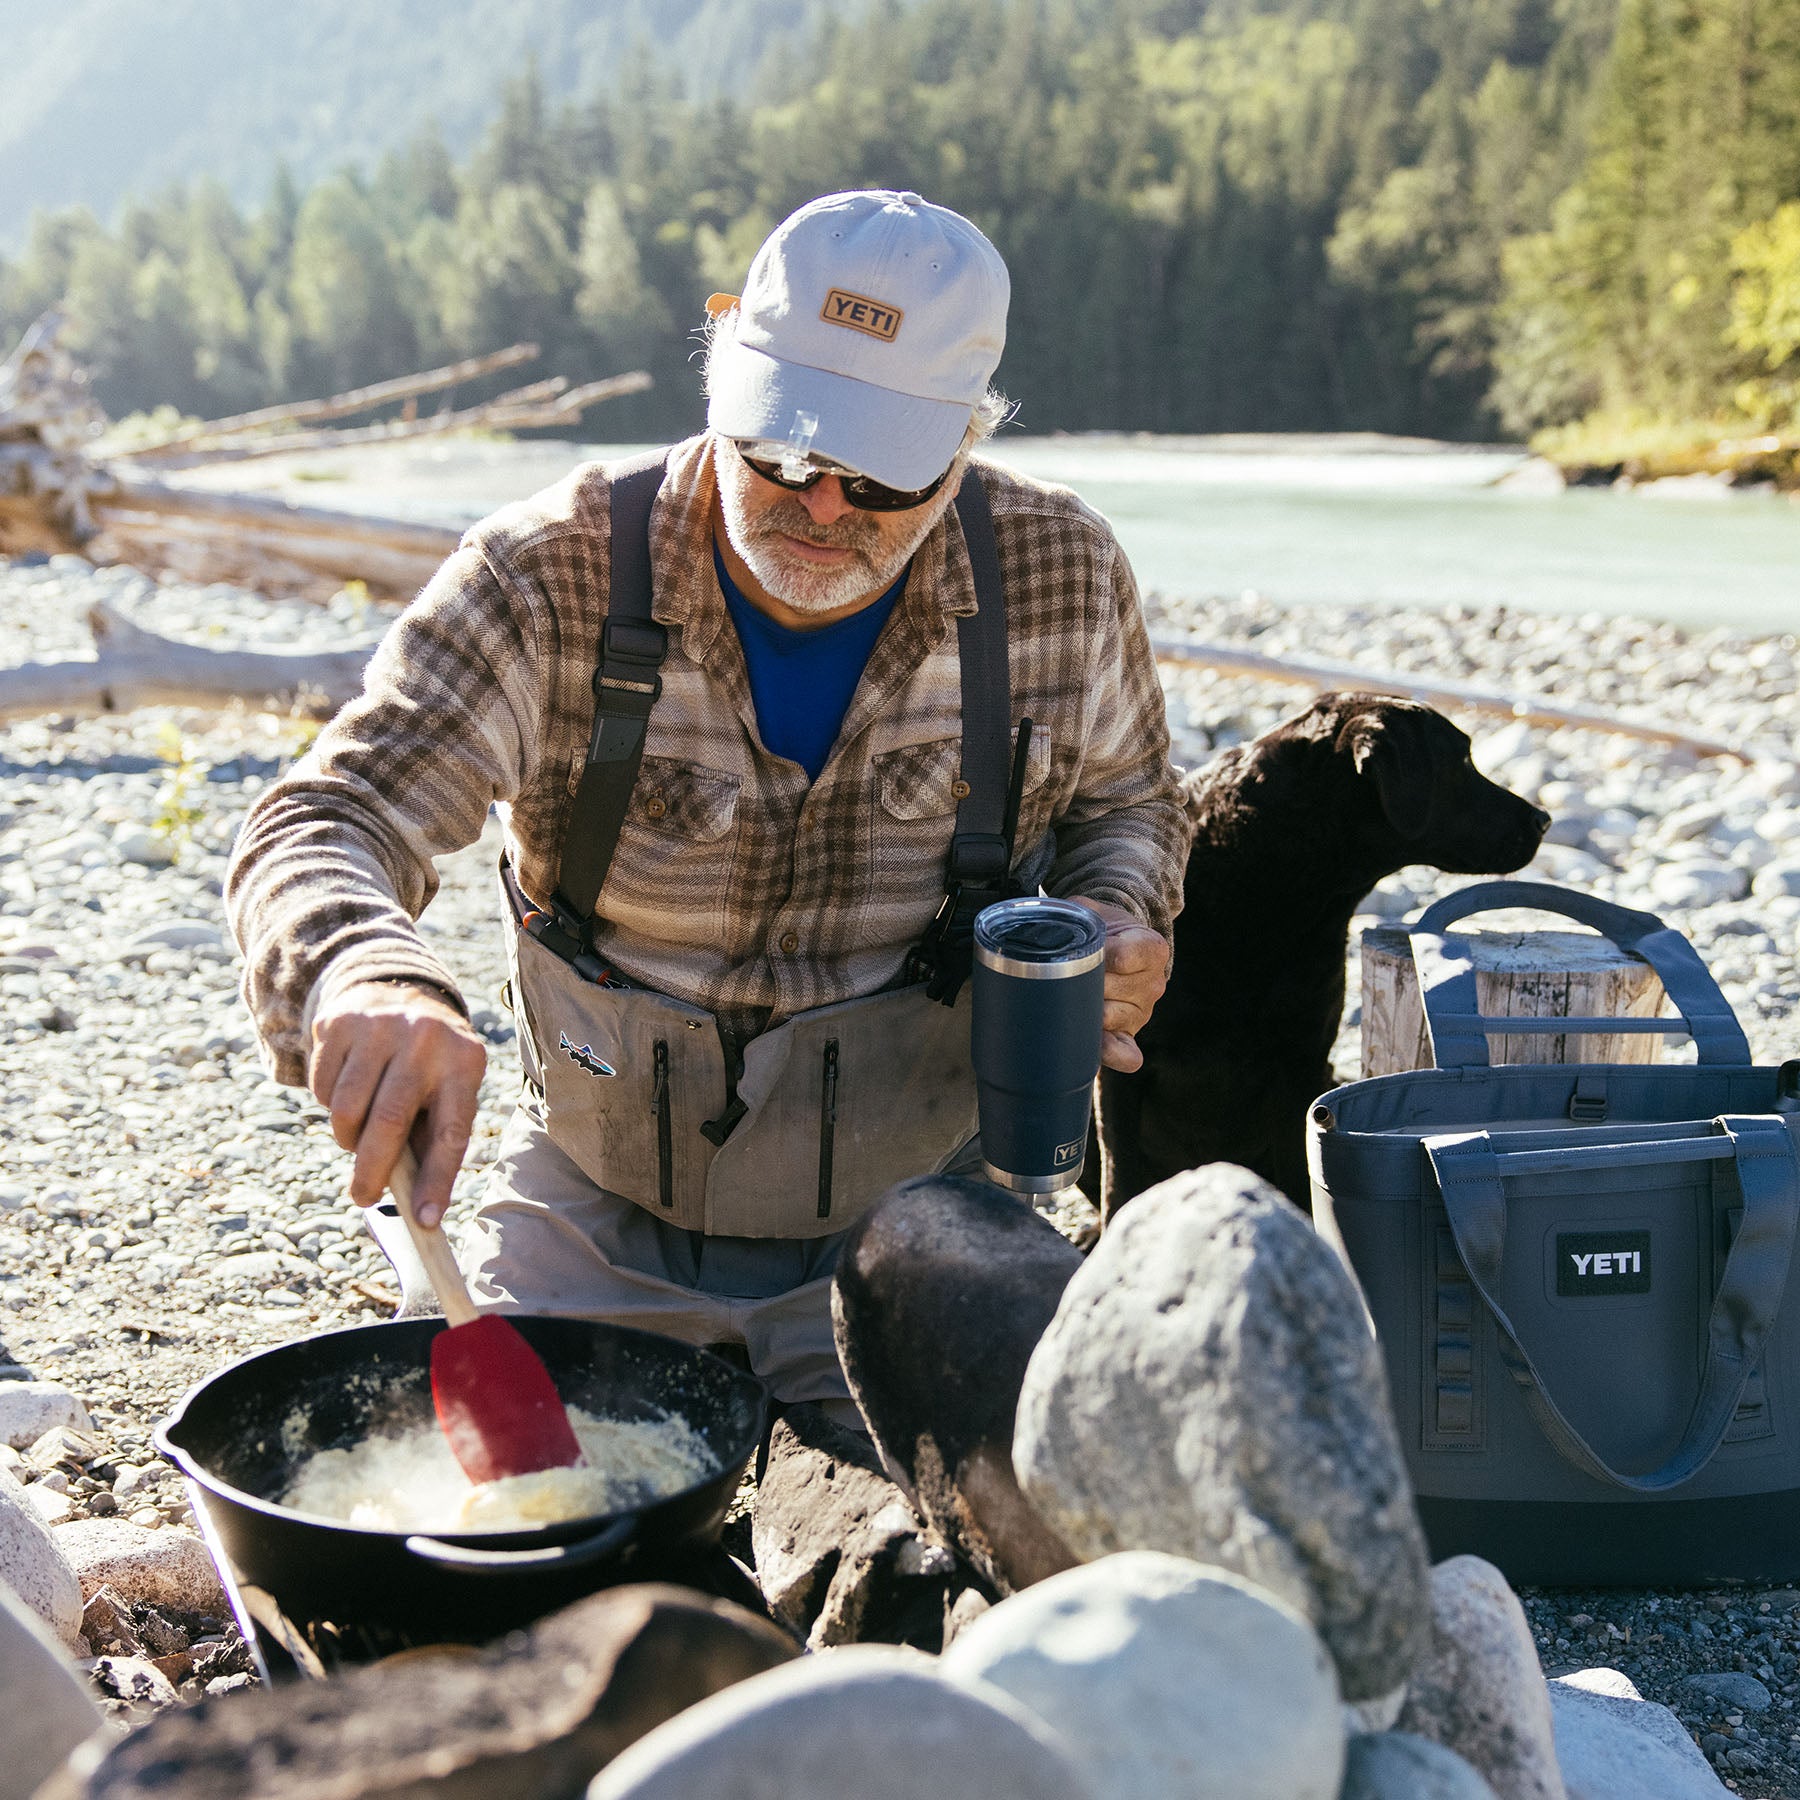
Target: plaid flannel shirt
x: 737, y: 885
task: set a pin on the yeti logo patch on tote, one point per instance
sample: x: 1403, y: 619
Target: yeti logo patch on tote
x: 1602, y: 1262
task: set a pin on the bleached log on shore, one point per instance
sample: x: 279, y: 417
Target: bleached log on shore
x: 338, y: 406
x: 261, y: 542
x: 134, y: 667
x: 264, y: 514
x: 509, y: 412
x: 1229, y: 659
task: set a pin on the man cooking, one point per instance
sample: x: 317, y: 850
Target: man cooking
x: 767, y: 721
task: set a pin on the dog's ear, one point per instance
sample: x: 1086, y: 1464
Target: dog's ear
x: 1389, y: 749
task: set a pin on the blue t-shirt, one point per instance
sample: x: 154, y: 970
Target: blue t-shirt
x: 803, y: 681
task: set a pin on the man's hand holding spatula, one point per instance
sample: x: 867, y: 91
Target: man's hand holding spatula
x: 387, y: 1058
x: 400, y: 1072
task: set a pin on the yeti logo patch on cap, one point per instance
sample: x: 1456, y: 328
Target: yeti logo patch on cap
x: 860, y: 313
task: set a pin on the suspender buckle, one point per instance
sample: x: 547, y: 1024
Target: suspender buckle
x: 641, y: 643
x: 628, y: 683
x: 978, y: 859
x: 945, y: 952
x: 561, y: 933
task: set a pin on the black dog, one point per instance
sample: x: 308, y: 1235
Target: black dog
x: 1292, y: 830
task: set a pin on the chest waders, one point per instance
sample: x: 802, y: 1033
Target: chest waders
x: 826, y: 1111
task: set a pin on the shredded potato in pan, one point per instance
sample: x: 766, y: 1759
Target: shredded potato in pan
x: 411, y: 1482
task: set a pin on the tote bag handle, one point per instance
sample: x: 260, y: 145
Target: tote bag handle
x: 1471, y: 1173
x: 1459, y: 1029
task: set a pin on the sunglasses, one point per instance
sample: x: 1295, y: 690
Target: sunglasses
x: 862, y: 493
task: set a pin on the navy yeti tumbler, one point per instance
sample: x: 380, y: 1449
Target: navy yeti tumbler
x: 1039, y: 985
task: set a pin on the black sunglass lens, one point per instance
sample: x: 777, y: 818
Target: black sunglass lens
x: 772, y: 471
x: 859, y: 490
x: 873, y: 496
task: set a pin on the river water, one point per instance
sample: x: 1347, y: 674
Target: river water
x: 1345, y: 520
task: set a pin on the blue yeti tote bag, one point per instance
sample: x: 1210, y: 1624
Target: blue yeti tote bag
x: 1579, y: 1275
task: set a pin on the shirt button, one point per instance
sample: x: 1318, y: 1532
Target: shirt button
x: 789, y: 943
x: 959, y: 790
x: 656, y: 806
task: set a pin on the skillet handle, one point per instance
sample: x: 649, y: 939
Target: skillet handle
x: 464, y: 1559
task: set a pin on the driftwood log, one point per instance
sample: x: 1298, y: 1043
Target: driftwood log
x: 260, y: 542
x: 133, y: 667
x: 338, y: 406
x: 1518, y: 974
x: 1229, y: 659
x: 65, y: 489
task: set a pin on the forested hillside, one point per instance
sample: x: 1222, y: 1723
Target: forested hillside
x: 104, y: 98
x: 1458, y: 217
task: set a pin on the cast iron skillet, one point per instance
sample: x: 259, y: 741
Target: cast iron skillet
x: 240, y: 1434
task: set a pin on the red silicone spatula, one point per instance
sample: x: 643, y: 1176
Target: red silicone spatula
x: 494, y: 1397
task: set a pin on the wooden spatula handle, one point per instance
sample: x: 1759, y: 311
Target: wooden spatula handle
x: 433, y: 1247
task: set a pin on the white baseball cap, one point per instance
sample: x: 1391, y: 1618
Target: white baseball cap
x: 869, y: 327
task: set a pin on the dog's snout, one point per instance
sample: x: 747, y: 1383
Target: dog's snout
x: 1540, y: 819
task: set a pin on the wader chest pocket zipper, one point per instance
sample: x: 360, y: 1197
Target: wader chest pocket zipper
x: 665, y: 1136
x: 827, y: 1124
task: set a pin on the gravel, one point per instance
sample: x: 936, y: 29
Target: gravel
x: 165, y: 1209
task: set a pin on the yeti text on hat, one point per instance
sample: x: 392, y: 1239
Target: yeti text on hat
x: 878, y: 315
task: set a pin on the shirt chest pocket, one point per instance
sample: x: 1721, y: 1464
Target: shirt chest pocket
x: 924, y: 781
x: 684, y: 801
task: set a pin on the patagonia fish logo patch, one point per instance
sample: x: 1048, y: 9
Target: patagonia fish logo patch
x: 860, y: 313
x: 1602, y: 1262
x: 583, y: 1057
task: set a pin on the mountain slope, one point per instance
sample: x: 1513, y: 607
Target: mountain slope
x: 101, y: 98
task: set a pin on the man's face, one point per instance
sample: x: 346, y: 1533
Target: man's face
x: 812, y: 549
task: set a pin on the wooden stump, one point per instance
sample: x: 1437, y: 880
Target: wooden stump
x: 1518, y: 974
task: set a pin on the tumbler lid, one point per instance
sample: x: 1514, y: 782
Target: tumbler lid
x: 1039, y: 938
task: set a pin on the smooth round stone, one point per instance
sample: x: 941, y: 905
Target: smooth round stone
x: 177, y: 934
x: 139, y: 844
x: 1395, y: 1765
x: 71, y: 849
x: 1478, y: 1689
x: 1777, y: 881
x: 32, y: 1565
x: 1608, y: 1748
x: 1733, y: 1688
x: 30, y: 1408
x: 47, y: 1709
x: 1677, y: 885
x: 1168, y: 1680
x: 163, y: 1567
x: 880, y: 1723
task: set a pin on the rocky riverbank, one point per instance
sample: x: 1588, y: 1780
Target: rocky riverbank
x: 165, y: 1209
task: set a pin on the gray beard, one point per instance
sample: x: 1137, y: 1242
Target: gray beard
x: 799, y: 585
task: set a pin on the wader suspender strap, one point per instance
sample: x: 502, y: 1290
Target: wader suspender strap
x: 626, y: 686
x: 981, y: 851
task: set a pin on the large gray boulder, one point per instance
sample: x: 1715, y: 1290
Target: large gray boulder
x: 1168, y: 1681
x: 1395, y: 1765
x: 875, y: 1721
x: 1478, y: 1689
x: 1210, y: 1387
x: 46, y: 1710
x: 34, y: 1567
x: 1609, y: 1746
